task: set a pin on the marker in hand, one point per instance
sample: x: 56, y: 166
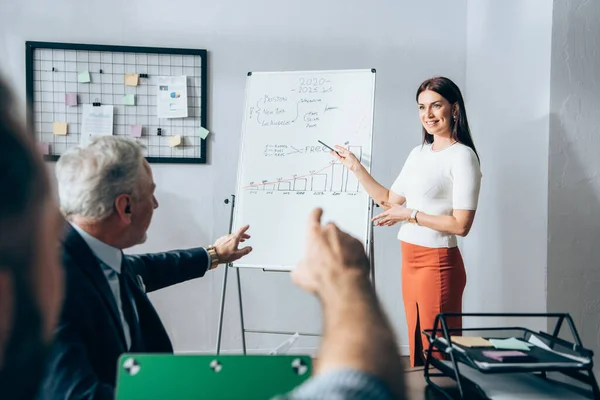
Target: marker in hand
x: 330, y: 148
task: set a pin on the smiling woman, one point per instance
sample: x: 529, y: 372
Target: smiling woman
x: 439, y: 98
x: 434, y: 199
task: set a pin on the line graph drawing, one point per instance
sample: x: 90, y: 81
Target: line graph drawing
x: 333, y: 177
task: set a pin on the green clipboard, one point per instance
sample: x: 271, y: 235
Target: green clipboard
x: 194, y: 377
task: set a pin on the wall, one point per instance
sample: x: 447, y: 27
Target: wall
x: 507, y: 96
x: 574, y: 174
x: 497, y: 52
x: 406, y: 41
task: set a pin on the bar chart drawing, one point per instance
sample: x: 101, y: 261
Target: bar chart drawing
x: 337, y: 177
x: 300, y: 184
x: 333, y: 177
x: 318, y: 183
x: 351, y: 183
x: 284, y: 186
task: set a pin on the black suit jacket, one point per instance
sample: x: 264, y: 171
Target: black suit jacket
x: 89, y: 338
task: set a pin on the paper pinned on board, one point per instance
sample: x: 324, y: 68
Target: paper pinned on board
x: 71, y: 99
x: 84, y: 77
x: 97, y: 121
x: 203, y: 132
x: 175, y: 141
x: 59, y: 128
x: 132, y: 79
x: 171, y: 96
x: 44, y: 148
x: 129, y: 99
x: 136, y: 131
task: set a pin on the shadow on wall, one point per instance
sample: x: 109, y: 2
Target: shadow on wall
x: 173, y: 227
x: 574, y: 231
x: 522, y: 224
x: 506, y: 249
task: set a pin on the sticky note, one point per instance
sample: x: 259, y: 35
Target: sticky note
x: 129, y: 99
x: 203, y: 132
x: 131, y: 79
x: 59, y: 128
x: 44, y: 148
x: 175, y: 141
x: 71, y: 99
x: 84, y: 77
x: 136, y: 131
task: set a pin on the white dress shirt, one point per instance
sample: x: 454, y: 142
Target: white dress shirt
x: 110, y: 260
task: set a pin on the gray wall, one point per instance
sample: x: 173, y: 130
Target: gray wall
x: 508, y: 74
x: 262, y: 35
x: 574, y: 173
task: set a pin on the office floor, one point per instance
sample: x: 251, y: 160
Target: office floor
x: 417, y: 388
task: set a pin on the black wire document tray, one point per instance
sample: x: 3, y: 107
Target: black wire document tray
x: 473, y: 366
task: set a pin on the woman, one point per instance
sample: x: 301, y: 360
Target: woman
x: 434, y: 198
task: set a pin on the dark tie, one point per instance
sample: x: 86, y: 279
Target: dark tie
x: 137, y: 342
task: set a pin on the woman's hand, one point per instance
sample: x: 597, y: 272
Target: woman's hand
x: 393, y: 214
x: 344, y: 156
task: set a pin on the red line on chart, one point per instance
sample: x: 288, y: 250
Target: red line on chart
x: 290, y: 179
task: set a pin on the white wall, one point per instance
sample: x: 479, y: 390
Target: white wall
x: 406, y: 41
x: 574, y: 181
x: 507, y: 95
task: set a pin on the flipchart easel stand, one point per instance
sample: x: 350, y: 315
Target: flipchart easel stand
x: 370, y: 253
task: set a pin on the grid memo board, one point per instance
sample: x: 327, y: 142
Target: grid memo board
x: 53, y: 71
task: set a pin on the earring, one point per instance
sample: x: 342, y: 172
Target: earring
x: 454, y: 117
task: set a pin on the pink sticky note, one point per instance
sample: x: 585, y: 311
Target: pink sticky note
x: 136, y: 130
x: 44, y: 148
x: 71, y: 99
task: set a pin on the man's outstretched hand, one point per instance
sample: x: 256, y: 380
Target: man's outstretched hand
x: 227, y: 247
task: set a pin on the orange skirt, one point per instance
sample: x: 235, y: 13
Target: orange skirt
x: 433, y: 281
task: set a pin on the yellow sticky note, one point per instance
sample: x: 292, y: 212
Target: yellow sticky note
x: 175, y: 141
x: 203, y: 132
x: 132, y: 79
x: 59, y: 128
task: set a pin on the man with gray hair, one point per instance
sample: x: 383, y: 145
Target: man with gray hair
x: 106, y: 194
